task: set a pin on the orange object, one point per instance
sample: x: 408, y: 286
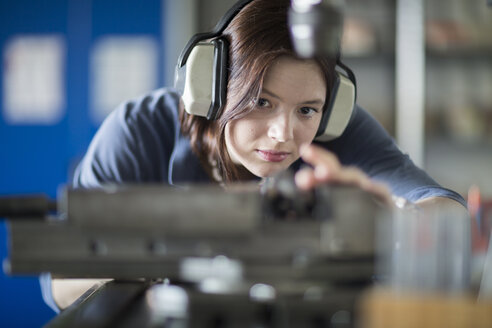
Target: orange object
x: 478, y: 226
x: 380, y: 308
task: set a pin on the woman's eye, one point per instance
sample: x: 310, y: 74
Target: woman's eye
x: 307, y: 111
x: 262, y: 102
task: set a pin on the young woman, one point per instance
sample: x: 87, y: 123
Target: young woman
x: 274, y: 106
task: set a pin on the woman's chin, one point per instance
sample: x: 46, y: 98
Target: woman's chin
x: 267, y: 171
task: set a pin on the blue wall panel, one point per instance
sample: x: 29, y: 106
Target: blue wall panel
x: 36, y: 158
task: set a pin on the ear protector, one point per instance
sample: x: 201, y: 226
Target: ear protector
x: 201, y: 79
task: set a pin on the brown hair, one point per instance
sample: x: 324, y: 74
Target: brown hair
x: 257, y: 36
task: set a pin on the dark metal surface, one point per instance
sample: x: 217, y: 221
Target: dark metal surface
x: 87, y: 239
x: 101, y: 306
x: 290, y: 251
x: 236, y: 258
x: 34, y: 206
x: 199, y: 211
x: 147, y: 304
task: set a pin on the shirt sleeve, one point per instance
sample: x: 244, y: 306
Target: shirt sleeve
x: 366, y: 145
x: 133, y: 145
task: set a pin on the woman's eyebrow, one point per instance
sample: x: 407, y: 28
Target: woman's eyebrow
x: 316, y: 101
x: 271, y: 94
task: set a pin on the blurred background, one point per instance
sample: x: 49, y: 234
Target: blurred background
x: 424, y: 70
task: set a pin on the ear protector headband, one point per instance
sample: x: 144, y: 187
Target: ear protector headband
x: 201, y: 79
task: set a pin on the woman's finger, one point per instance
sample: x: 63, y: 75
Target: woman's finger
x: 305, y: 179
x: 325, y: 163
x: 328, y: 169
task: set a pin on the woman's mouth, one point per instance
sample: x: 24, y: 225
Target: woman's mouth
x: 272, y: 155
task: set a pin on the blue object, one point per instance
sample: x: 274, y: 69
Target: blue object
x: 40, y: 158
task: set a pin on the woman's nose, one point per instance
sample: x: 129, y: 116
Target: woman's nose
x: 280, y: 128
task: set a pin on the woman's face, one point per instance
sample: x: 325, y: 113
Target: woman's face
x: 286, y: 116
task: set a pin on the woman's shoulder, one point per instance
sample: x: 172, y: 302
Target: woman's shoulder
x: 158, y: 103
x: 362, y: 136
x: 134, y: 143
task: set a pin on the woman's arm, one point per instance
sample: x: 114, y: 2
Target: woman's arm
x: 326, y: 168
x: 444, y: 202
x: 67, y: 291
x: 366, y: 145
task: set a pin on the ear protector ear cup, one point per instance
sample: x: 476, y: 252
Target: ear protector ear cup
x: 201, y: 79
x: 340, y: 107
x: 202, y: 82
x: 201, y: 72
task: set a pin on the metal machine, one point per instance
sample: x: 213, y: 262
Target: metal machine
x: 201, y: 256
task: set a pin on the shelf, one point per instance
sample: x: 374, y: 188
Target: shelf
x: 468, y: 53
x: 370, y: 56
x: 465, y: 54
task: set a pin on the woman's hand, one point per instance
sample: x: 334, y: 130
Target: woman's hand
x: 326, y: 168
